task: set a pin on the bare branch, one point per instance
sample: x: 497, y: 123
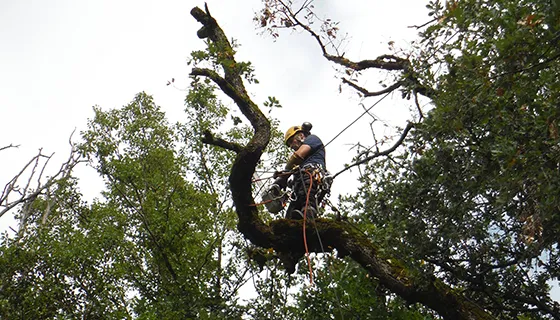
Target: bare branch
x: 405, y: 132
x: 367, y: 93
x: 28, y: 193
x: 210, y: 139
x: 383, y: 62
x: 293, y: 16
x: 303, y: 6
x: 7, y: 147
x: 418, y: 106
x: 424, y: 24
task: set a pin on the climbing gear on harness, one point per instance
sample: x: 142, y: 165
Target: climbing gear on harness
x: 323, y: 180
x: 310, y: 185
x: 274, y: 199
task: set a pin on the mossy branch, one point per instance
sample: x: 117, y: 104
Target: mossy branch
x: 286, y: 235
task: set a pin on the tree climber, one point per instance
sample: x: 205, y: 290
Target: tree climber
x: 307, y: 164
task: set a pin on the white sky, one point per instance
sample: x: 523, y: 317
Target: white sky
x: 59, y: 58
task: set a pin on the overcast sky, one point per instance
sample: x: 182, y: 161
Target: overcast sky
x: 59, y: 58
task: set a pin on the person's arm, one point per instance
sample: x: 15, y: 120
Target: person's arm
x: 297, y: 157
x: 304, y: 151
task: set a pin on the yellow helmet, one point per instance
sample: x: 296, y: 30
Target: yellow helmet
x: 292, y: 132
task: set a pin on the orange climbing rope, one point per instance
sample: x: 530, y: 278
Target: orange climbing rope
x: 260, y: 203
x: 304, y: 219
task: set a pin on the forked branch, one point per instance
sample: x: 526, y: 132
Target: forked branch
x: 279, y: 14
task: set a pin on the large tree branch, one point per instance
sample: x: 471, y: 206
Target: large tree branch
x: 210, y: 139
x: 234, y: 89
x: 385, y: 62
x: 286, y: 235
x: 250, y: 224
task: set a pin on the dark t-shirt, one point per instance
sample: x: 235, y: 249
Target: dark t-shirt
x: 317, y: 151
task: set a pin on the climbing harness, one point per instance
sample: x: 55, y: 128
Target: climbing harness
x: 275, y: 199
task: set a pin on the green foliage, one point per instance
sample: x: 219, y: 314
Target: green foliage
x: 219, y: 55
x: 343, y: 290
x: 271, y: 287
x: 153, y: 248
x: 160, y: 244
x: 474, y: 196
x: 340, y: 290
x: 179, y: 226
x: 271, y: 103
x: 61, y: 270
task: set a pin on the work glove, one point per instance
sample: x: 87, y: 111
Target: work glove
x: 283, y: 173
x: 281, y: 178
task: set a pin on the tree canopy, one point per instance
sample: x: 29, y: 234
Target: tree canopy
x: 458, y: 218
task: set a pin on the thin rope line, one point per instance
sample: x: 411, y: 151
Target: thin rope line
x: 358, y: 118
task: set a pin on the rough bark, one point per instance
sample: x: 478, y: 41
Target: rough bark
x: 286, y: 236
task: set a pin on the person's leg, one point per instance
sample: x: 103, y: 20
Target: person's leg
x: 309, y: 195
x: 293, y: 211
